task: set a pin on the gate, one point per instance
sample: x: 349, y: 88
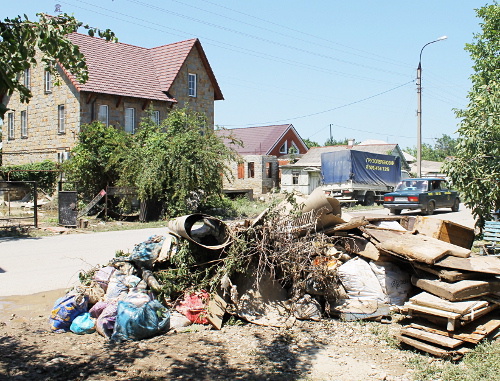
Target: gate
x: 15, y: 208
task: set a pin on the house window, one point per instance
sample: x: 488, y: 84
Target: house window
x: 295, y: 177
x: 48, y: 81
x: 10, y: 125
x: 241, y: 170
x: 130, y: 120
x: 192, y: 85
x: 284, y: 148
x: 251, y: 170
x: 61, y: 119
x: 27, y: 78
x: 295, y: 148
x: 102, y: 115
x: 24, y: 124
x: 155, y: 117
x: 269, y: 170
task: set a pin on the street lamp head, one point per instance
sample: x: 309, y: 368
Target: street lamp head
x: 442, y: 38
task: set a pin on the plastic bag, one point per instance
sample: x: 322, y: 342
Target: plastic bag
x: 194, y: 306
x: 106, y: 321
x: 97, y: 309
x: 65, y: 310
x: 360, y: 282
x: 394, y: 282
x: 136, y: 323
x: 83, y: 324
x: 146, y: 252
x: 103, y: 275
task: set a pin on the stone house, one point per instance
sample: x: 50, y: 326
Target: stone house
x: 125, y: 81
x: 264, y: 149
x: 305, y: 175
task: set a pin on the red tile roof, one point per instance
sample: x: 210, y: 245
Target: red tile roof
x: 132, y: 71
x: 257, y: 140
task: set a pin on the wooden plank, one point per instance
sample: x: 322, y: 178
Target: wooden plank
x: 483, y: 264
x: 429, y: 300
x: 216, y: 310
x: 361, y: 246
x: 447, y: 275
x: 422, y: 248
x: 457, y: 291
x: 436, y: 351
x: 445, y: 230
x: 432, y: 337
x: 474, y: 315
x: 473, y: 338
x: 380, y: 235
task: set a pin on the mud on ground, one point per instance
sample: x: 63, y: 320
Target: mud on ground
x: 326, y: 350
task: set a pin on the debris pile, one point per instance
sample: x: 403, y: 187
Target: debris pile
x: 300, y: 259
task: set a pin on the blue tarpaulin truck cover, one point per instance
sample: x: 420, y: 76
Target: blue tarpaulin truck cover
x: 360, y: 167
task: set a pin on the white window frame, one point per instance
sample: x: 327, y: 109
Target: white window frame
x: 285, y: 144
x: 61, y: 119
x: 27, y: 78
x: 48, y: 81
x: 103, y: 114
x: 130, y: 120
x: 10, y: 125
x: 295, y: 146
x: 24, y: 124
x: 192, y: 85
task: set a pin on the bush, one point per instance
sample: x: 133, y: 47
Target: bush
x: 45, y: 173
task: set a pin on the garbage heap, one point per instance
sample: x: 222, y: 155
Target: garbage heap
x: 300, y: 259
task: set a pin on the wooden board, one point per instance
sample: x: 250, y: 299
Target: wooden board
x: 483, y: 264
x: 432, y: 349
x: 429, y: 300
x: 432, y: 337
x: 457, y: 291
x: 361, y: 246
x: 448, y: 275
x: 216, y: 310
x: 445, y: 231
x: 380, y: 235
x: 421, y: 248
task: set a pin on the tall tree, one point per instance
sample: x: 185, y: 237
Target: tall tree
x: 19, y: 40
x: 475, y: 170
x: 334, y: 142
x: 310, y: 143
x: 444, y: 147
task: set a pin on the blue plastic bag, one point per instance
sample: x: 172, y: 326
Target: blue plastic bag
x: 83, y: 324
x: 65, y: 310
x: 146, y: 252
x: 136, y: 323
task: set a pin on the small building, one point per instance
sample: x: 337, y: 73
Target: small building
x: 263, y: 150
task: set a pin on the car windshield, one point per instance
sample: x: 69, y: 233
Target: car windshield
x: 418, y: 185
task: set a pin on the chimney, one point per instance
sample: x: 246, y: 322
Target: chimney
x: 350, y: 142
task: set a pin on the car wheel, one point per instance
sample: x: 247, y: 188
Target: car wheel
x: 456, y: 205
x: 397, y: 212
x: 369, y: 199
x: 430, y: 208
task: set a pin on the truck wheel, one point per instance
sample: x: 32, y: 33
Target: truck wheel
x: 456, y: 205
x: 369, y: 199
x: 397, y: 212
x: 430, y: 208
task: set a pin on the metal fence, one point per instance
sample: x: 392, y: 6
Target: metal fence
x: 18, y: 204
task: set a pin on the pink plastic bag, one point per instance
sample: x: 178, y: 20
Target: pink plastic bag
x: 194, y: 306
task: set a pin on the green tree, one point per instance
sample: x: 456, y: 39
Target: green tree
x: 95, y: 160
x: 19, y: 40
x: 334, y: 142
x: 310, y: 143
x: 177, y: 162
x: 444, y: 147
x: 475, y: 169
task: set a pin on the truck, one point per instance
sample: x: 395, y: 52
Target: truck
x: 353, y: 176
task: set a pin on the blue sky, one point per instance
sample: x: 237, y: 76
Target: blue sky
x: 348, y: 67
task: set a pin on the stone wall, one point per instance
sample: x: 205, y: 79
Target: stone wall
x: 43, y: 140
x: 204, y: 100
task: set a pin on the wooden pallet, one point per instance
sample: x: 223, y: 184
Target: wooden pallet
x: 437, y: 342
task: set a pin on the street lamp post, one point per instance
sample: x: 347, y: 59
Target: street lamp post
x: 419, y: 110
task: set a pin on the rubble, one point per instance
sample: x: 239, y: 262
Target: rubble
x: 299, y: 260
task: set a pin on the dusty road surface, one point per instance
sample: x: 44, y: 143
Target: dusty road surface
x: 325, y: 350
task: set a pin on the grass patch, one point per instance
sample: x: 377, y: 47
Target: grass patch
x: 483, y: 363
